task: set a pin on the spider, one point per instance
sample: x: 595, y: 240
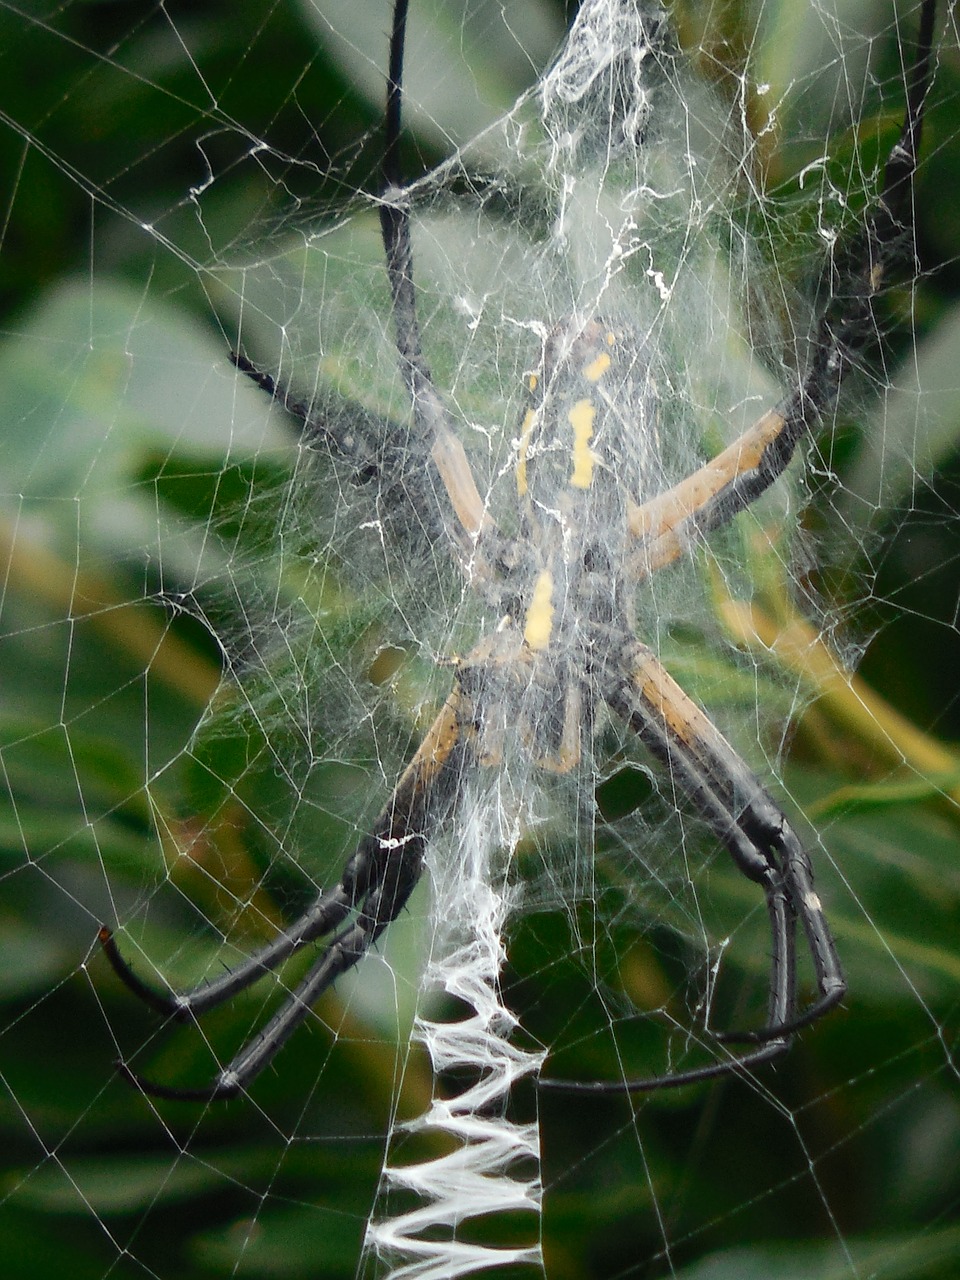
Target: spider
x: 565, y: 597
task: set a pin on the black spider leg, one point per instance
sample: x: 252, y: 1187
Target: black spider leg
x: 853, y: 279
x: 377, y: 454
x: 430, y: 412
x: 395, y: 233
x: 380, y: 876
x: 430, y: 457
x: 756, y: 834
x: 350, y: 430
x: 376, y: 885
x: 485, y: 554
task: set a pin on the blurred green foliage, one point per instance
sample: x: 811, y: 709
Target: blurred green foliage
x: 120, y: 417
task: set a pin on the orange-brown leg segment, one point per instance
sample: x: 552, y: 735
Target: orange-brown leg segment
x: 727, y: 795
x: 375, y: 887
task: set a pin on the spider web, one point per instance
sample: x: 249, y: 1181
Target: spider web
x: 223, y: 639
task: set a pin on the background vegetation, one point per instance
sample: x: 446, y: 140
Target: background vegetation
x: 848, y: 1161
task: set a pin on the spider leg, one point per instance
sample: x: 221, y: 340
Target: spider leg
x: 341, y: 954
x: 353, y: 442
x: 758, y: 838
x: 484, y: 553
x: 432, y: 419
x: 322, y: 918
x: 408, y: 496
x: 434, y: 440
x: 674, y: 520
x: 376, y: 885
x: 762, y: 843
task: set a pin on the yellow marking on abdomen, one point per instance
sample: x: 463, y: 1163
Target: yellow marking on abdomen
x: 581, y: 418
x: 597, y: 367
x: 539, y: 623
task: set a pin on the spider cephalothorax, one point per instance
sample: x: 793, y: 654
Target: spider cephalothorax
x: 561, y: 582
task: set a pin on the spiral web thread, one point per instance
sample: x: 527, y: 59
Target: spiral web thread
x: 494, y: 1167
x: 108, y: 376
